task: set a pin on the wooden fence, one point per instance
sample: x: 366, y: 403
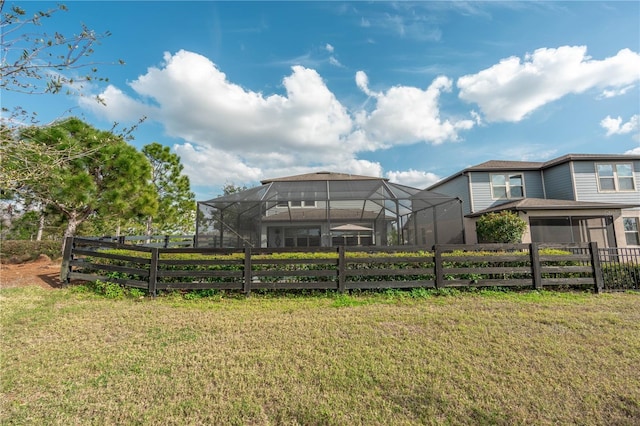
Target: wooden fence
x: 339, y: 268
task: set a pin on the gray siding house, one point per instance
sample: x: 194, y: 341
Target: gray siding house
x: 573, y: 198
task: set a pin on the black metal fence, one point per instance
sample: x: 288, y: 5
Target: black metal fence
x: 620, y: 268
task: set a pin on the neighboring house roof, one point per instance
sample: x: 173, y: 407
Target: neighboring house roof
x: 495, y: 165
x: 527, y: 204
x: 505, y: 165
x: 589, y: 157
x: 321, y: 176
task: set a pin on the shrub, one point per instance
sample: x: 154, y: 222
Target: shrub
x: 501, y: 227
x: 19, y: 251
x: 108, y: 289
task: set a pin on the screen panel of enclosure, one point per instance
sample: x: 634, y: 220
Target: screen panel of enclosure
x: 329, y: 213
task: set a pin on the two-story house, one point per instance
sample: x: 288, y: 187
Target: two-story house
x: 573, y: 198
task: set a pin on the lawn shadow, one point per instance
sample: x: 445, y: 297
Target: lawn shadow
x: 52, y: 280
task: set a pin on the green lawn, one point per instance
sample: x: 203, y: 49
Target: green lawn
x: 74, y: 358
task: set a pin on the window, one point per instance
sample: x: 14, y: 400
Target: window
x: 302, y: 237
x: 507, y: 186
x: 303, y: 203
x: 615, y: 177
x: 631, y: 231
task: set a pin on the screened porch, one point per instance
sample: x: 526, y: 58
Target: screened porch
x: 326, y: 210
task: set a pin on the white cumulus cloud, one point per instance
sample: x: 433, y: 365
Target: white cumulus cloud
x: 634, y: 151
x: 513, y: 88
x: 615, y: 126
x: 405, y: 115
x: 231, y: 133
x: 115, y: 105
x: 415, y: 178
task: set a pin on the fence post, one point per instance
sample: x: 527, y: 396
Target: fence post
x: 598, y: 280
x: 341, y: 269
x: 536, y: 267
x: 246, y: 285
x: 122, y: 239
x: 437, y: 267
x: 153, y: 271
x: 65, y: 268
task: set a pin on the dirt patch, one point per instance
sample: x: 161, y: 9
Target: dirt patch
x: 42, y: 272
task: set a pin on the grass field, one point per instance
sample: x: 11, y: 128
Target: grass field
x: 74, y: 358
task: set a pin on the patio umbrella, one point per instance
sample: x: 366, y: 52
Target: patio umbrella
x: 351, y: 227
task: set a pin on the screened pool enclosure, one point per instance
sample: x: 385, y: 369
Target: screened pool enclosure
x: 327, y: 209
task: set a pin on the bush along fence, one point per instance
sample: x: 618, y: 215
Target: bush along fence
x: 620, y: 267
x: 163, y: 241
x: 155, y: 269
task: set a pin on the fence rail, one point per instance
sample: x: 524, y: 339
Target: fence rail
x: 341, y: 268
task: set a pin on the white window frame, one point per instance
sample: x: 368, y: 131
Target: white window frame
x: 631, y: 228
x: 507, y: 186
x: 615, y: 178
x: 302, y: 204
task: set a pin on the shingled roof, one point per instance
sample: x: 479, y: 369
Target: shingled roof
x: 527, y: 204
x: 505, y: 165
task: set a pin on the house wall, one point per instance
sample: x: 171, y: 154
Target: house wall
x: 273, y: 234
x: 586, y: 182
x: 457, y: 187
x: 558, y: 182
x: 481, y: 188
x: 620, y: 234
x: 470, y: 234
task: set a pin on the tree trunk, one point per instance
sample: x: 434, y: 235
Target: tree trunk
x: 149, y: 228
x: 40, y: 227
x: 72, y: 226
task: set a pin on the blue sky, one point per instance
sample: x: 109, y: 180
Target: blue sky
x: 411, y: 91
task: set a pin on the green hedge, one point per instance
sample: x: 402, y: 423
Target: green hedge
x: 19, y: 251
x: 357, y: 260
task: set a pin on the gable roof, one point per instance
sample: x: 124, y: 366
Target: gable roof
x: 505, y: 165
x: 527, y: 204
x: 590, y: 157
